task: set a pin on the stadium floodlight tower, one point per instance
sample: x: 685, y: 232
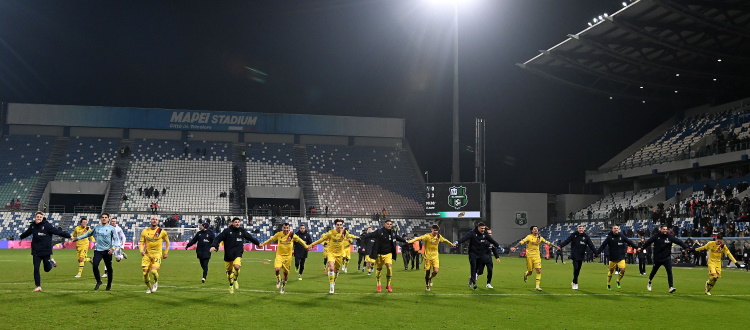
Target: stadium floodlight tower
x: 456, y: 173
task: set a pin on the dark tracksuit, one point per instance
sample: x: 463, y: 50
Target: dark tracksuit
x: 415, y: 256
x: 361, y: 251
x: 579, y: 242
x: 204, y: 238
x: 617, y: 245
x: 642, y: 258
x: 234, y: 242
x: 486, y: 261
x: 479, y: 245
x: 41, y: 246
x: 300, y: 253
x: 384, y: 242
x: 406, y: 254
x: 663, y: 254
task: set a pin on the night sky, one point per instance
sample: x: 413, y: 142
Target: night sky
x: 375, y: 58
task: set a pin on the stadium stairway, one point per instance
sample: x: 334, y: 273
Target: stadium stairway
x: 67, y: 223
x: 47, y: 175
x: 117, y: 185
x: 302, y: 163
x: 237, y: 206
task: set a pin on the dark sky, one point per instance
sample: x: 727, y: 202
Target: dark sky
x: 379, y: 58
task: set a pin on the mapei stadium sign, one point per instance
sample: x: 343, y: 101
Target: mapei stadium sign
x: 197, y: 120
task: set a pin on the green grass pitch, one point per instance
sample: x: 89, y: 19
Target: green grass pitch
x: 182, y: 301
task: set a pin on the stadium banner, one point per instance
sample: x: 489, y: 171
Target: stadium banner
x: 198, y: 120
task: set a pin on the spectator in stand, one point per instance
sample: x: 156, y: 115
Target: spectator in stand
x: 18, y: 204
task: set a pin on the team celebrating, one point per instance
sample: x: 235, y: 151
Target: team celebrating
x: 377, y: 248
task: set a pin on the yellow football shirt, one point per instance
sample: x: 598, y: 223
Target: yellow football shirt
x: 715, y: 252
x: 430, y: 244
x: 285, y: 244
x: 336, y: 241
x: 151, y: 240
x: 532, y: 245
x: 82, y: 243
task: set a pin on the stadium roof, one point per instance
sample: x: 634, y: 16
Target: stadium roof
x: 691, y: 50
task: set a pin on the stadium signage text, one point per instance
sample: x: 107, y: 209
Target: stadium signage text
x: 192, y: 117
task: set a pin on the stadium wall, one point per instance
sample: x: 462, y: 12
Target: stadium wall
x: 504, y: 207
x: 329, y: 140
x: 36, y: 130
x: 269, y: 138
x: 155, y: 134
x: 201, y: 120
x: 116, y: 133
x: 377, y: 142
x: 213, y: 136
x: 273, y: 192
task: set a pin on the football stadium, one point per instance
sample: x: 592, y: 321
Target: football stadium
x: 284, y: 216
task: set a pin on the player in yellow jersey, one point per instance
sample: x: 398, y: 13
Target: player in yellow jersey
x: 336, y: 239
x: 151, y: 250
x: 431, y: 255
x: 283, y: 262
x: 533, y: 259
x: 716, y: 250
x: 82, y: 246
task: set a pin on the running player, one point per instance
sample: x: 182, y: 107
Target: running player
x: 384, y: 252
x: 234, y: 238
x: 533, y: 259
x: 151, y: 250
x: 431, y: 255
x: 716, y: 250
x: 336, y: 239
x: 616, y: 243
x: 82, y: 246
x: 284, y: 240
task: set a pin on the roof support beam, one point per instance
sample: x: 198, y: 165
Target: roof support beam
x: 636, y: 30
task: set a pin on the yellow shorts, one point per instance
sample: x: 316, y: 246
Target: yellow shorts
x: 230, y: 264
x: 348, y: 253
x: 428, y: 264
x: 620, y: 264
x: 338, y: 260
x: 284, y: 262
x: 82, y: 253
x: 533, y: 262
x: 383, y: 259
x: 368, y: 259
x: 714, y: 269
x: 151, y: 261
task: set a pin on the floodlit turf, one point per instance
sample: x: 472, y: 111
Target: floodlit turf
x: 182, y: 301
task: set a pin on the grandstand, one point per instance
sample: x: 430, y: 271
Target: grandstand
x: 88, y: 159
x: 193, y: 175
x: 364, y: 180
x: 22, y: 159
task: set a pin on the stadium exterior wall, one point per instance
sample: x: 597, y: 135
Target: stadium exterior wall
x: 504, y: 207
